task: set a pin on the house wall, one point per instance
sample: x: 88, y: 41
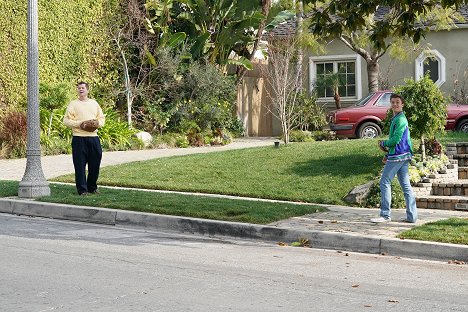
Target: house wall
x: 452, y: 45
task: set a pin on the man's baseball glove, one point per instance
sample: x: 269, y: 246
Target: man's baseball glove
x: 89, y: 125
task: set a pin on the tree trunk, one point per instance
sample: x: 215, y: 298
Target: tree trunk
x: 373, y: 69
x: 300, y: 52
x: 241, y: 70
x: 423, y: 149
x: 337, y: 99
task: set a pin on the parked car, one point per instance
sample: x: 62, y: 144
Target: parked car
x: 364, y: 119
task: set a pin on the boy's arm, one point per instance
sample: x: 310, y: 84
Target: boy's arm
x: 395, y: 138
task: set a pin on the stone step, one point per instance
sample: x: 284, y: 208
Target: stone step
x: 462, y: 173
x: 453, y: 188
x: 457, y: 148
x: 441, y: 202
x: 462, y: 207
x: 461, y: 159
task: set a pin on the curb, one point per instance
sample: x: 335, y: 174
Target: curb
x: 317, y: 239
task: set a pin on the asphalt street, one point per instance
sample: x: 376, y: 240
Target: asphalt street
x: 52, y: 265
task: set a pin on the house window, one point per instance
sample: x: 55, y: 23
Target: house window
x: 432, y: 63
x: 345, y: 70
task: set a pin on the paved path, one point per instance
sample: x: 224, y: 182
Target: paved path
x: 57, y: 165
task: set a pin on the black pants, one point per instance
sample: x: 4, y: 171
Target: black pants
x: 86, y: 150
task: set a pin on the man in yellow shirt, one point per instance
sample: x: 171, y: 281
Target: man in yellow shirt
x: 85, y: 116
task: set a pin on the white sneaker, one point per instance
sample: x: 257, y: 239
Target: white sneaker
x: 380, y: 220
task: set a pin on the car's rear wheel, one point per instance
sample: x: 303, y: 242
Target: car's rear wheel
x: 463, y: 126
x: 369, y: 130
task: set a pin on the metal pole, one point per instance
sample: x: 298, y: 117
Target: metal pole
x: 34, y: 183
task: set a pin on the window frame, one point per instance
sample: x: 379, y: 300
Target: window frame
x: 335, y: 59
x: 419, y: 65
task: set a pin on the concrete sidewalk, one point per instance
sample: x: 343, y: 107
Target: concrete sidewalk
x: 57, y: 165
x: 340, y: 228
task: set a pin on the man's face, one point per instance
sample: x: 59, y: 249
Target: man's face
x: 397, y: 105
x: 82, y: 90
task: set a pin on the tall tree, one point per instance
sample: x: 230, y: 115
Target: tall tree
x: 379, y: 31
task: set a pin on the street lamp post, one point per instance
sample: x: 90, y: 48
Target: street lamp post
x: 34, y: 183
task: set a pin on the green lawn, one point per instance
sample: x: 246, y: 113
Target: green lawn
x: 452, y: 137
x: 453, y: 230
x: 174, y: 204
x: 315, y: 172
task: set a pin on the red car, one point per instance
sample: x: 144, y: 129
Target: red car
x: 364, y: 119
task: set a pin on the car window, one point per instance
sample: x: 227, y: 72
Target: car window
x: 384, y: 100
x: 363, y: 101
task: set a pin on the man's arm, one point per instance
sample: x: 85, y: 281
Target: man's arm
x: 69, y: 119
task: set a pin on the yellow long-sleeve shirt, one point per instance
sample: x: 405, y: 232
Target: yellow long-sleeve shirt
x: 79, y: 111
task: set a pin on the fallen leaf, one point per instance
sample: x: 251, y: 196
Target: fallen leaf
x: 368, y: 305
x: 393, y: 300
x: 346, y: 254
x: 282, y: 244
x: 320, y: 221
x: 459, y: 262
x: 355, y: 285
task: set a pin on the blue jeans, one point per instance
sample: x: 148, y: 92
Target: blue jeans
x: 401, y: 170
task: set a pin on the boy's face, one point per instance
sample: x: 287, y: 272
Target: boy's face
x: 82, y: 90
x: 397, y: 105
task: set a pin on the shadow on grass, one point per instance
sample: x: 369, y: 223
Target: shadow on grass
x: 339, y: 166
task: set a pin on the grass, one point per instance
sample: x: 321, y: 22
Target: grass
x: 314, y: 172
x: 452, y: 137
x: 174, y: 204
x: 453, y: 230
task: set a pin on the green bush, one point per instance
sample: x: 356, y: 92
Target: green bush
x: 74, y: 43
x: 312, y: 115
x: 115, y: 135
x: 300, y: 136
x: 373, y: 198
x: 323, y: 135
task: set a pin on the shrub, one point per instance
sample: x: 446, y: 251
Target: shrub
x: 115, y: 135
x: 300, y: 136
x: 311, y: 115
x: 373, y: 198
x: 425, y: 107
x: 323, y: 135
x: 13, y: 134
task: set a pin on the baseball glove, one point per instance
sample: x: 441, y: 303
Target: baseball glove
x: 89, y: 125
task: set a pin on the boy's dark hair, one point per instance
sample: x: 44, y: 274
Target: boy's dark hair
x: 83, y: 82
x: 397, y: 96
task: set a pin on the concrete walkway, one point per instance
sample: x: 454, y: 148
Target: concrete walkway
x: 344, y: 228
x: 57, y: 165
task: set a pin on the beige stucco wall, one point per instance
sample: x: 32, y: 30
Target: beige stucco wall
x: 453, y: 45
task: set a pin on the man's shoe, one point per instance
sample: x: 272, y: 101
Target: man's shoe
x: 84, y: 194
x: 380, y: 220
x: 96, y: 192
